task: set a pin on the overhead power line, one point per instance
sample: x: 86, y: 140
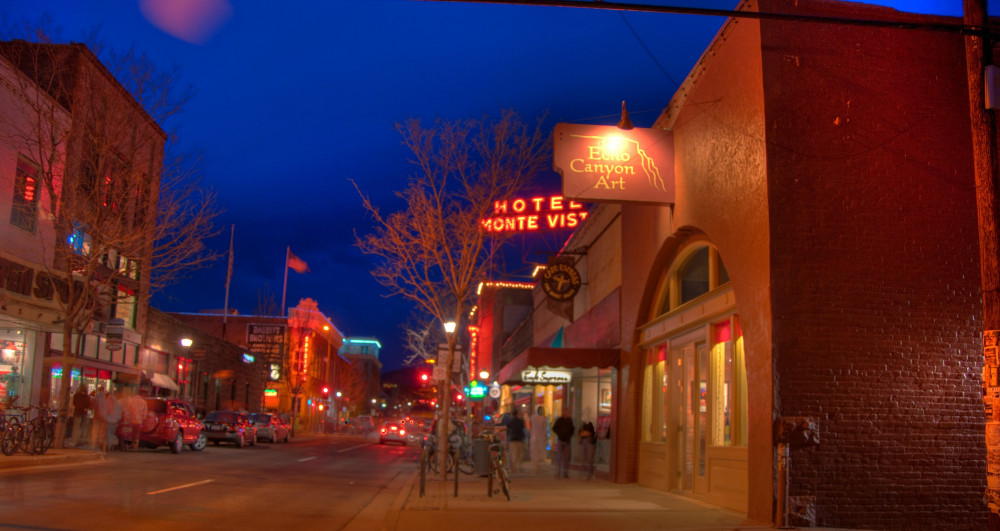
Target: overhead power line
x: 946, y: 27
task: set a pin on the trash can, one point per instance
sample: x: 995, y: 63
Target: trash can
x: 481, y: 457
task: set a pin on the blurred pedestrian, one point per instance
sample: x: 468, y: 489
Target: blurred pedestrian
x: 564, y: 430
x: 588, y: 441
x: 81, y: 415
x: 114, y: 417
x: 538, y: 427
x: 515, y: 432
x: 103, y: 406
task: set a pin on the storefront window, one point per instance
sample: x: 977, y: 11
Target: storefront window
x: 654, y: 421
x: 728, y: 389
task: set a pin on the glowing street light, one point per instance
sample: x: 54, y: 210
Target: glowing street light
x: 484, y: 375
x: 449, y: 327
x: 186, y: 342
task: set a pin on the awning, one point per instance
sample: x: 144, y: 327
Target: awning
x: 569, y: 358
x: 162, y: 381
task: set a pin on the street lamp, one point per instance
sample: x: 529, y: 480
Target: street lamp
x: 449, y: 327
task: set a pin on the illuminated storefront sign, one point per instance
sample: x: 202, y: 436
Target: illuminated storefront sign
x: 248, y: 358
x: 545, y: 376
x: 266, y: 339
x: 605, y: 163
x: 536, y: 213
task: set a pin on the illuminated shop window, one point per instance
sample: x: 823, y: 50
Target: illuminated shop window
x: 694, y: 380
x: 654, y: 425
x: 24, y: 207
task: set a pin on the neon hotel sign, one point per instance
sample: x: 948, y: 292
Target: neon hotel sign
x: 554, y: 212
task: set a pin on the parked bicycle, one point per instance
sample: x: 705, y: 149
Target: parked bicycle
x: 498, y: 463
x: 459, y: 444
x: 33, y: 435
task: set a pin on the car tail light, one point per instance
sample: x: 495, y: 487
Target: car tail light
x: 402, y: 432
x: 383, y: 430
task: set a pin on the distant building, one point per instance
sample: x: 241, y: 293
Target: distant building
x: 360, y: 379
x: 296, y: 358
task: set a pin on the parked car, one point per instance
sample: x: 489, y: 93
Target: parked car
x: 171, y: 422
x: 270, y: 427
x: 392, y: 431
x: 230, y: 426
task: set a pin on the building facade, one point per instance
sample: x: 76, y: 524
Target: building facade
x: 813, y: 288
x: 295, y: 357
x: 70, y: 131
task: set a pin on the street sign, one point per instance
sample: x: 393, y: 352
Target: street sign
x: 494, y: 392
x: 440, y: 373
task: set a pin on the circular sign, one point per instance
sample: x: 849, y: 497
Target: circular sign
x: 560, y: 281
x: 494, y: 392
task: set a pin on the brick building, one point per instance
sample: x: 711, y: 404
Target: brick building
x: 295, y: 357
x: 818, y: 269
x: 68, y: 126
x: 813, y: 285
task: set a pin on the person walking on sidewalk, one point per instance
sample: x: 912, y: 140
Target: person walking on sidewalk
x: 564, y: 430
x: 538, y: 428
x: 515, y: 431
x: 588, y: 441
x: 81, y: 420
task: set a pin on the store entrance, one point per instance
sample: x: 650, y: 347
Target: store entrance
x: 688, y: 386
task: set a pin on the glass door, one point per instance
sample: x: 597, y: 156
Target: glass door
x: 688, y: 386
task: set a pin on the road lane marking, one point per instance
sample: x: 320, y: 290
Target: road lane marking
x: 351, y: 448
x: 195, y: 484
x: 307, y: 458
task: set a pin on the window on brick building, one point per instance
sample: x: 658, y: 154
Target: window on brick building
x: 24, y: 207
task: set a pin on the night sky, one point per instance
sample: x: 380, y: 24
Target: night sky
x: 294, y: 99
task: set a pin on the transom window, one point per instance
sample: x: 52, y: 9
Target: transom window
x: 698, y: 271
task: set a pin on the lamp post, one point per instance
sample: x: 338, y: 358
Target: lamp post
x: 186, y: 342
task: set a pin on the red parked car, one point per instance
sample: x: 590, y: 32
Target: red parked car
x: 171, y: 422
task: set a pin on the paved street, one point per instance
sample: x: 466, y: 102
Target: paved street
x: 309, y: 483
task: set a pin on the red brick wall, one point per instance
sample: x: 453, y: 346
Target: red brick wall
x: 874, y: 268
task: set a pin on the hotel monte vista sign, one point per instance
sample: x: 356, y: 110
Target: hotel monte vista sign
x: 607, y: 163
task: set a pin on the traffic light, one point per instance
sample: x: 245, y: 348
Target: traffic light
x: 424, y: 377
x: 326, y: 392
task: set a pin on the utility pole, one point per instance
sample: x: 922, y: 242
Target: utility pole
x: 978, y: 55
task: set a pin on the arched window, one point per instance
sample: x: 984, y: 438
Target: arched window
x: 697, y: 271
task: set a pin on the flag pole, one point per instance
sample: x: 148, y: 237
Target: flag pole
x: 229, y: 278
x: 284, y: 289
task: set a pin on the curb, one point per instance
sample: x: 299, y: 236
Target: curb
x: 49, y: 459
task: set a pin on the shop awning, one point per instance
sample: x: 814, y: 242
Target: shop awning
x: 162, y: 381
x: 569, y: 358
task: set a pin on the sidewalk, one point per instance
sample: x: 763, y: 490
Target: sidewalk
x: 543, y: 502
x: 53, y: 457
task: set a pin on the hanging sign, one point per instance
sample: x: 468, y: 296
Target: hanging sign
x: 607, y: 163
x: 561, y: 281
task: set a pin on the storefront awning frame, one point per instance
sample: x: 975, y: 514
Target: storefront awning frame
x: 569, y: 358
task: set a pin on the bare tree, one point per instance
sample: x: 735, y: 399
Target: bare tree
x: 115, y: 218
x: 433, y: 252
x: 421, y: 341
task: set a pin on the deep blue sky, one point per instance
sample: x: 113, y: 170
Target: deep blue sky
x: 295, y: 98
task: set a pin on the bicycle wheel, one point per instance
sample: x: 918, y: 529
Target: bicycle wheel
x: 465, y: 464
x: 48, y: 437
x: 501, y: 475
x: 11, y: 438
x: 432, y: 463
x: 33, y: 443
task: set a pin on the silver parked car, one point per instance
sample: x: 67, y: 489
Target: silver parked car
x: 270, y: 427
